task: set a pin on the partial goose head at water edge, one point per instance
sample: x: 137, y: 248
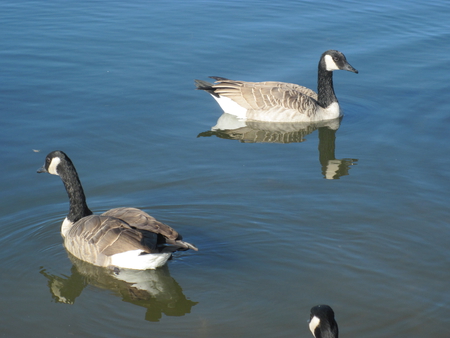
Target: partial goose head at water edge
x: 122, y: 237
x: 279, y: 101
x: 322, y: 323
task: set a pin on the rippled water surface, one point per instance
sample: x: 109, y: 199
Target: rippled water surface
x: 352, y: 213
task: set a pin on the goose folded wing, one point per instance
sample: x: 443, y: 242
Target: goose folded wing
x: 139, y: 219
x: 142, y: 221
x: 266, y: 95
x: 110, y: 235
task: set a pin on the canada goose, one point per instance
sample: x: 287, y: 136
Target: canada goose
x: 322, y: 323
x: 121, y: 237
x: 279, y: 101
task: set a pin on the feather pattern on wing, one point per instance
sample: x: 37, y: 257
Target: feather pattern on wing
x: 143, y: 221
x: 96, y: 238
x: 267, y: 95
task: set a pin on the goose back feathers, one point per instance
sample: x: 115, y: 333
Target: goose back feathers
x: 121, y: 237
x: 278, y: 101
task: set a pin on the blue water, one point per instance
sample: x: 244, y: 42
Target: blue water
x: 111, y: 84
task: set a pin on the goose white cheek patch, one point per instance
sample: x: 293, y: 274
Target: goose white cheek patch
x: 330, y: 64
x: 53, y: 164
x: 313, y: 323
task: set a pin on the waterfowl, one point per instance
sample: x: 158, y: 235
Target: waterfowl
x: 322, y: 323
x: 278, y: 101
x: 120, y: 238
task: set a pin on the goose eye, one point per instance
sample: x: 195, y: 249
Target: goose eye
x: 335, y: 58
x: 48, y: 160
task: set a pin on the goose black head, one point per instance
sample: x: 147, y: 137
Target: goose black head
x: 322, y: 323
x: 335, y: 60
x: 52, y: 161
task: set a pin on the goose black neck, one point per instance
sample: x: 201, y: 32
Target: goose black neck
x: 325, y: 90
x: 78, y: 206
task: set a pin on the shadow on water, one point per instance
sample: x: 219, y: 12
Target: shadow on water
x: 154, y: 290
x: 231, y: 128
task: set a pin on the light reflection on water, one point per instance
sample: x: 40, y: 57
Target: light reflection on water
x: 154, y: 290
x: 231, y: 128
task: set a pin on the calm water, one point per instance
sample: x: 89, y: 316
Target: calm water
x: 285, y: 217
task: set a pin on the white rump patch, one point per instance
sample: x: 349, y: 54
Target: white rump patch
x: 134, y: 260
x: 313, y: 324
x: 231, y: 107
x: 330, y: 64
x: 53, y: 164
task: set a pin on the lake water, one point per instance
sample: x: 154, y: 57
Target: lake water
x: 285, y: 218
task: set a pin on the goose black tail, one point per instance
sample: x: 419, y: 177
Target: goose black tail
x: 206, y: 86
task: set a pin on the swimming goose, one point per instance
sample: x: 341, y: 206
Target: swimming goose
x: 122, y: 237
x: 279, y: 101
x: 322, y: 323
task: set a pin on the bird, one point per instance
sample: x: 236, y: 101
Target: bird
x: 279, y: 101
x: 119, y: 238
x: 322, y: 323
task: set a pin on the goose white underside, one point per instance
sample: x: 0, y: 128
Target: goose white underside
x: 134, y: 260
x: 277, y: 114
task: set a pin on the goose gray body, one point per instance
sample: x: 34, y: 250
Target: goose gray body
x: 278, y: 101
x: 121, y: 237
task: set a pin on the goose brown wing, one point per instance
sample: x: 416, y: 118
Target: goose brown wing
x: 140, y: 220
x: 267, y: 95
x: 296, y: 88
x: 96, y: 238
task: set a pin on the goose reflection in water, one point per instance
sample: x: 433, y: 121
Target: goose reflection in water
x: 230, y: 127
x: 154, y: 290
